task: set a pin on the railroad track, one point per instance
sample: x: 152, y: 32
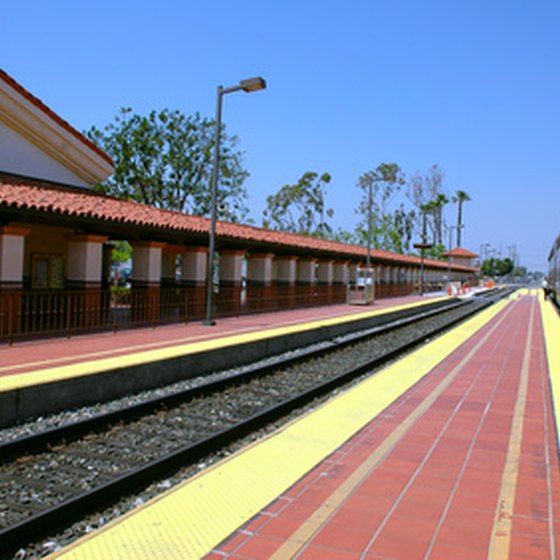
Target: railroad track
x: 50, y: 479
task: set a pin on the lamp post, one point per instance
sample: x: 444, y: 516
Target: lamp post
x: 423, y: 245
x: 248, y: 86
x: 449, y: 248
x: 368, y: 256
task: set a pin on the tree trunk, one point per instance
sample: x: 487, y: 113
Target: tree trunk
x: 459, y: 221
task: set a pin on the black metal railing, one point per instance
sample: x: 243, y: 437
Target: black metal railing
x: 34, y: 313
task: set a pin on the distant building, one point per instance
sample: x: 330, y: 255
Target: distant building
x: 461, y: 256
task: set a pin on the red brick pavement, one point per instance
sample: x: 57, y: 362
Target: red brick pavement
x: 436, y: 494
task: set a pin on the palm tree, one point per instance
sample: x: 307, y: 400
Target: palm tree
x: 427, y: 211
x: 439, y: 202
x: 459, y: 198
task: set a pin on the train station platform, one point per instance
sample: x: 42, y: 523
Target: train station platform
x: 44, y: 376
x: 36, y: 355
x: 449, y: 453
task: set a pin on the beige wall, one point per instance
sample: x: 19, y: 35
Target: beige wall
x: 45, y: 240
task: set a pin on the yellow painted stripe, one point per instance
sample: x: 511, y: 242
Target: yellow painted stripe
x: 318, y: 518
x: 189, y: 521
x: 84, y: 368
x: 503, y: 517
x: 551, y: 326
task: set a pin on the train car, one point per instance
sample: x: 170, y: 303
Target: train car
x: 554, y: 272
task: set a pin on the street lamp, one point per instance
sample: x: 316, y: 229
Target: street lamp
x: 423, y: 245
x: 368, y: 279
x: 449, y: 247
x: 248, y: 86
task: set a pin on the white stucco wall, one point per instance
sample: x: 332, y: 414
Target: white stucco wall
x: 21, y: 157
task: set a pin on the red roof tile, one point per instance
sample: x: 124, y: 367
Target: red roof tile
x: 460, y: 252
x: 19, y: 193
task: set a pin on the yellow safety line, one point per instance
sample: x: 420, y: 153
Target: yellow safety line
x: 143, y: 346
x: 503, y: 517
x: 117, y: 350
x: 299, y: 538
x: 193, y: 518
x: 551, y: 326
x: 83, y: 368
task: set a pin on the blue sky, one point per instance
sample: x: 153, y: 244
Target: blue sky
x: 472, y: 86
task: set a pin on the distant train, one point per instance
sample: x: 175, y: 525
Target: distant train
x: 554, y: 272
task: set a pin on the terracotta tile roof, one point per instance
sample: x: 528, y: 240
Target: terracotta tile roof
x: 28, y: 194
x: 5, y: 77
x: 460, y: 252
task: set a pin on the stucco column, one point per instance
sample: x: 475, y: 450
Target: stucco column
x: 84, y: 261
x: 306, y: 281
x: 306, y: 271
x: 341, y: 273
x: 12, y: 251
x: 194, y: 263
x: 231, y: 270
x: 146, y: 264
x: 146, y: 281
x: 231, y: 266
x: 193, y: 266
x: 353, y: 272
x: 260, y: 292
x: 325, y: 272
x: 259, y: 268
x: 286, y: 270
x: 324, y: 289
x: 84, y: 273
x: 378, y: 270
x: 388, y: 273
x: 340, y: 282
x: 284, y: 278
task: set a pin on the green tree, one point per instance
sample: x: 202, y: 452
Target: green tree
x: 300, y: 208
x: 345, y: 236
x: 165, y: 159
x: 122, y: 252
x: 497, y: 267
x: 460, y: 197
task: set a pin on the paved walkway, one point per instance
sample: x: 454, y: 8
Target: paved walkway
x: 463, y: 466
x: 41, y: 354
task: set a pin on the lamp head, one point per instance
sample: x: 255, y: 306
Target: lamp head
x: 252, y: 84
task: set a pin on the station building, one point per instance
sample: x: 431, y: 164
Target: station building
x: 459, y: 255
x: 57, y: 235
